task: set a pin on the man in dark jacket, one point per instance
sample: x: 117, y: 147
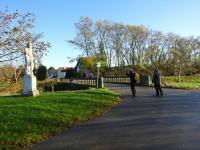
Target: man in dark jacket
x: 132, y: 81
x: 157, y: 80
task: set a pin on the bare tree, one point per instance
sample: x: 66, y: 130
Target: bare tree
x: 16, y: 32
x: 84, y: 39
x: 102, y: 30
x: 157, y: 48
x: 117, y: 39
x: 137, y: 38
x: 123, y: 45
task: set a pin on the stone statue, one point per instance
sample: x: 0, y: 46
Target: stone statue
x: 29, y: 80
x: 29, y: 59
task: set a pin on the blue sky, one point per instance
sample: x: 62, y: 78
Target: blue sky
x: 56, y: 18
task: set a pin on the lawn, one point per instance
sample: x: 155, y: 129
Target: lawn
x: 28, y: 120
x: 187, y: 82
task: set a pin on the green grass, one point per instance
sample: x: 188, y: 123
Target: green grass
x: 187, y: 82
x: 28, y: 120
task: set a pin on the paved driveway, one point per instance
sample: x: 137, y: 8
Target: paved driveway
x: 146, y: 122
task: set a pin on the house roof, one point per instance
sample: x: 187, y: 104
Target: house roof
x: 81, y: 60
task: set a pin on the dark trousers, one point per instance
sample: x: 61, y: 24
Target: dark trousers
x: 133, y: 88
x: 158, y: 90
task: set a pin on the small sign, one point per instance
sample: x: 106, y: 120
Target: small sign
x: 98, y: 64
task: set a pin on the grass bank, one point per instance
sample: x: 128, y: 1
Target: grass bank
x: 28, y: 120
x: 8, y: 89
x: 187, y: 82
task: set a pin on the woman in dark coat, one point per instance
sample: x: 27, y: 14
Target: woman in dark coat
x: 157, y: 80
x: 132, y: 81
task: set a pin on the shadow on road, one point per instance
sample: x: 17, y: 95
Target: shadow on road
x: 145, y: 122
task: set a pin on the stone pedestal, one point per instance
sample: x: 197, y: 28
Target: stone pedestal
x: 29, y: 86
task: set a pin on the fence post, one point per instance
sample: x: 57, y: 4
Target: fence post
x: 148, y: 82
x: 99, y: 82
x: 145, y: 80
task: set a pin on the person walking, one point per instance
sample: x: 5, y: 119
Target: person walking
x: 157, y: 81
x: 132, y: 75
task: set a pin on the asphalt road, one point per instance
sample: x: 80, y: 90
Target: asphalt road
x: 146, y: 122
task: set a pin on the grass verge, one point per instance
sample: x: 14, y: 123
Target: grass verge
x: 28, y: 120
x: 187, y: 82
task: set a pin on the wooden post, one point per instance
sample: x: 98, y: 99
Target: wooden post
x: 52, y: 89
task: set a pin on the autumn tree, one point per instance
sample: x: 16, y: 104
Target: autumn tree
x: 131, y: 45
x: 16, y: 32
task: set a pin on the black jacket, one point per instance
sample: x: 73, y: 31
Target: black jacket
x: 156, y: 79
x: 132, y: 77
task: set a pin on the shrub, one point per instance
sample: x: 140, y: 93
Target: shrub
x: 41, y: 73
x: 59, y: 86
x: 11, y: 88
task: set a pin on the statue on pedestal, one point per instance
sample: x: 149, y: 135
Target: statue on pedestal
x: 29, y: 59
x: 29, y: 80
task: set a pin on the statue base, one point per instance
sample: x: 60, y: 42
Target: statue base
x: 29, y: 86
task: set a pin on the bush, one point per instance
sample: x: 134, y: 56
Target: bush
x: 41, y: 73
x: 59, y: 86
x: 11, y: 88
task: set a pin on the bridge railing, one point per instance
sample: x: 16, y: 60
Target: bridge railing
x: 144, y: 80
x: 123, y: 80
x: 91, y: 82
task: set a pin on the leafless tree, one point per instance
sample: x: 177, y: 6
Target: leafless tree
x: 16, y: 32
